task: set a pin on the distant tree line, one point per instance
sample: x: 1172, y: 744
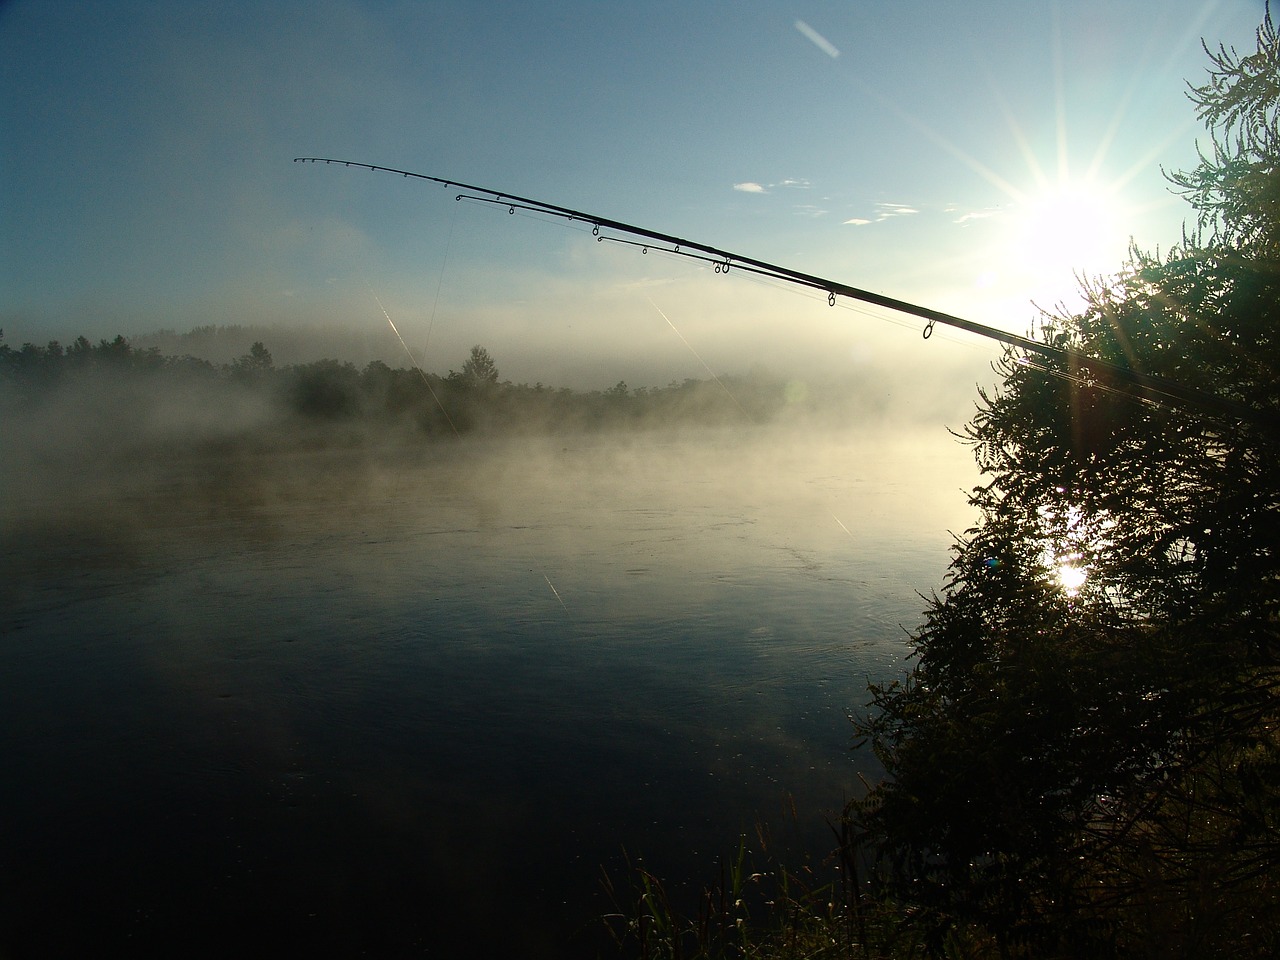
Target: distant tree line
x: 474, y: 398
x: 290, y: 344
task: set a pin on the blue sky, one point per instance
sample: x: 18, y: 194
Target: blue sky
x: 925, y: 150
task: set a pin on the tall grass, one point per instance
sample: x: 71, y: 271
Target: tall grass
x: 762, y: 909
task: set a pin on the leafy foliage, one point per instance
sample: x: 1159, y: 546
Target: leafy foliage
x: 1085, y: 759
x: 479, y: 368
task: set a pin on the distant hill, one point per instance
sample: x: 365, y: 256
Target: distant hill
x: 288, y: 344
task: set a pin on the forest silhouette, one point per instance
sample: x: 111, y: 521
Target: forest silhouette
x: 326, y: 400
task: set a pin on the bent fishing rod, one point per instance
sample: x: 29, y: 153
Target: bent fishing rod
x: 1071, y: 364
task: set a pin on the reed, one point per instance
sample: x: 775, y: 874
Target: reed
x: 760, y: 908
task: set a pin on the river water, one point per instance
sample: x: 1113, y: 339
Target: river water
x: 405, y: 704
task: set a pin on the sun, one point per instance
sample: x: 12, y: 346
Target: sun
x: 1069, y: 226
x: 1072, y: 543
x: 1069, y: 575
x: 1065, y: 231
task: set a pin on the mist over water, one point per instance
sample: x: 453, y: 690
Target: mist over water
x: 391, y: 699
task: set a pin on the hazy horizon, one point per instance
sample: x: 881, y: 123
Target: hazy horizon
x: 149, y: 183
x: 290, y: 344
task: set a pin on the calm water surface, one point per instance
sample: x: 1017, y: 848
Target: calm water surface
x: 409, y: 704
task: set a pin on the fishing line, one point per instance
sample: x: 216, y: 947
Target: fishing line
x: 784, y: 284
x: 412, y: 359
x: 556, y: 592
x: 1078, y: 381
x: 523, y: 212
x: 1069, y: 360
x: 431, y: 323
x: 720, y: 382
x: 422, y: 373
x: 571, y: 223
x: 813, y: 295
x: 770, y: 277
x: 425, y: 379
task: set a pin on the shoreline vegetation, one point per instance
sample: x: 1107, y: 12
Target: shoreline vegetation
x: 1083, y: 759
x: 183, y: 401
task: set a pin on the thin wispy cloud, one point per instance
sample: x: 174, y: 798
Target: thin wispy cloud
x: 817, y: 39
x: 791, y: 183
x: 954, y: 212
x: 884, y: 211
x: 975, y: 214
x: 809, y: 210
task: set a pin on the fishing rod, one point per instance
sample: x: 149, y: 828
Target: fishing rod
x: 1072, y: 362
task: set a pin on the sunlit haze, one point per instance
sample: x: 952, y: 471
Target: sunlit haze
x: 382, y: 561
x: 972, y: 159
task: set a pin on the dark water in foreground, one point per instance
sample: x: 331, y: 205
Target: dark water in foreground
x: 390, y: 705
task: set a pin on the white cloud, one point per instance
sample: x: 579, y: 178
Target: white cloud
x: 977, y: 215
x: 884, y: 211
x: 887, y: 210
x: 794, y: 183
x: 817, y: 39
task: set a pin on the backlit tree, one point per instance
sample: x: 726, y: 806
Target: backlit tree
x: 1085, y: 758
